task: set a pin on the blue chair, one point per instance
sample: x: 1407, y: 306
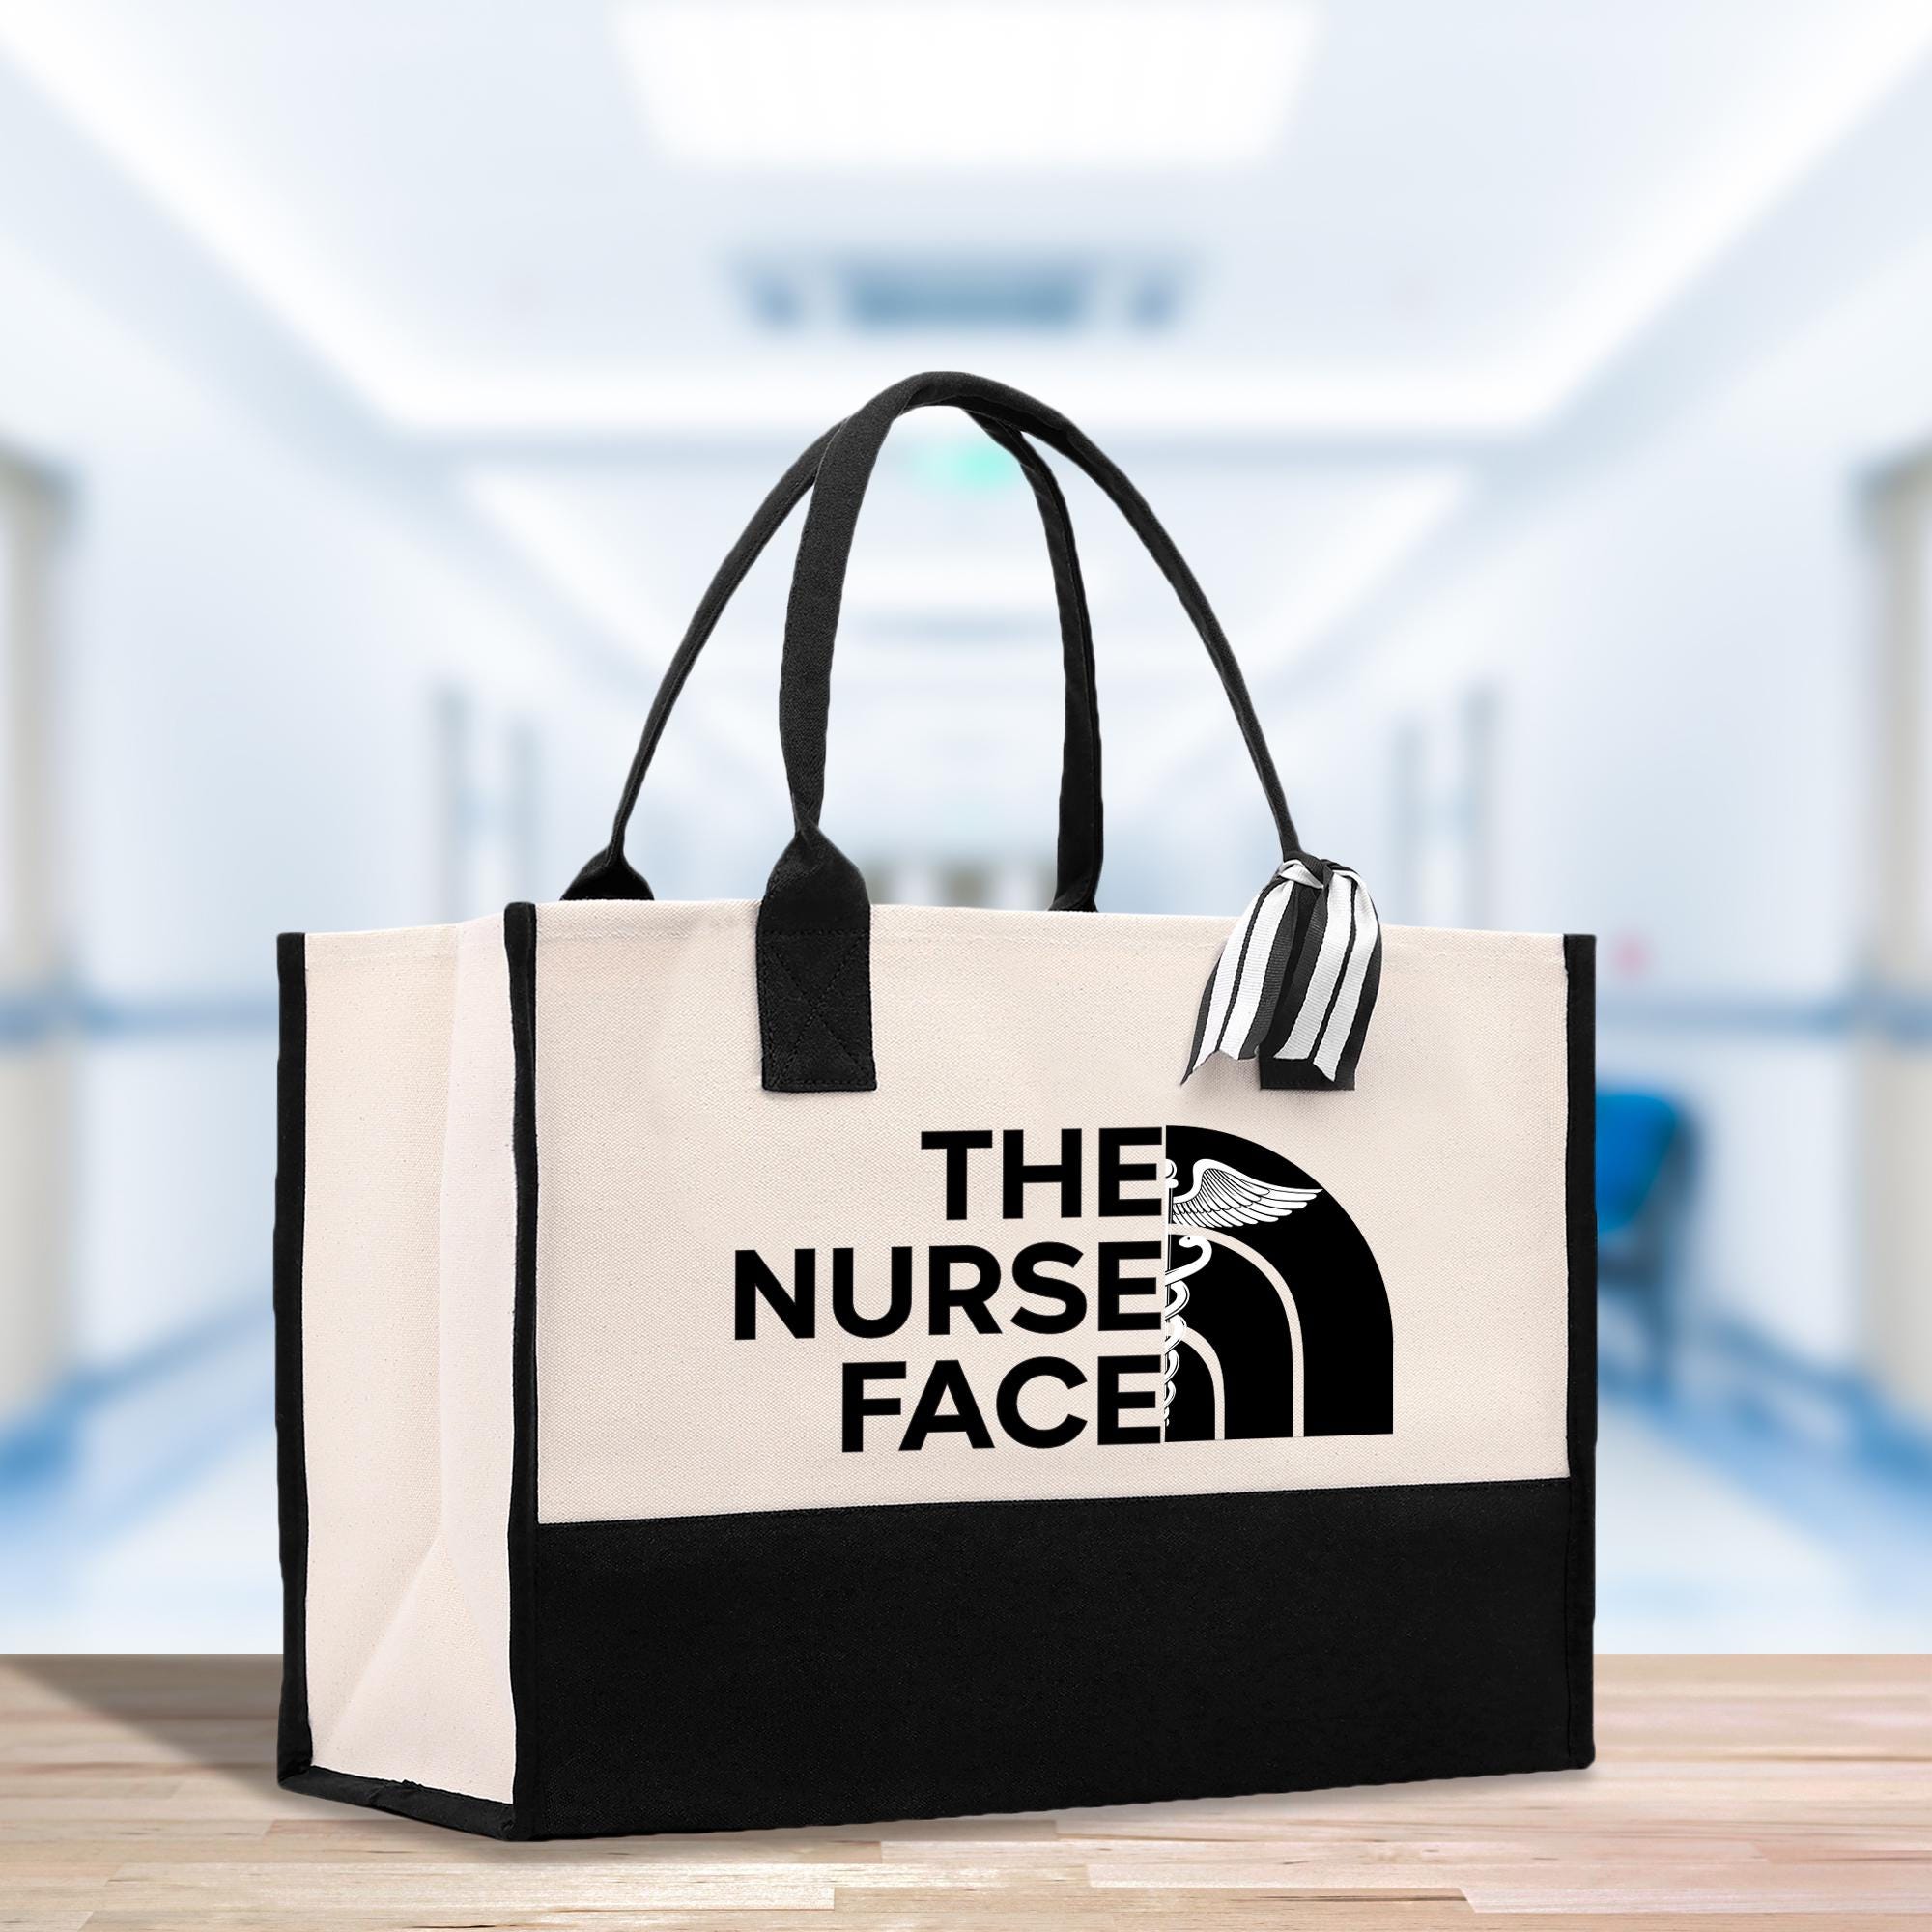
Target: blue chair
x: 1643, y: 1172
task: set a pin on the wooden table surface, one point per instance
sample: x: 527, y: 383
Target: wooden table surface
x: 135, y: 1792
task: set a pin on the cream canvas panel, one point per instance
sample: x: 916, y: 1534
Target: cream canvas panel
x: 408, y: 1303
x: 660, y: 1157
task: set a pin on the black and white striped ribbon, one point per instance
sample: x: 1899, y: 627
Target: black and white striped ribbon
x: 1296, y: 981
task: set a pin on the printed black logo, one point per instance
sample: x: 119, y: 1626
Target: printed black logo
x: 1276, y: 1320
x: 1253, y: 1310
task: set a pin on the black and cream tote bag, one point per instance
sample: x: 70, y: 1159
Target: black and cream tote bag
x: 782, y: 1363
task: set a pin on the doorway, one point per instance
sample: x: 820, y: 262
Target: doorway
x: 35, y: 1057
x: 1895, y: 1052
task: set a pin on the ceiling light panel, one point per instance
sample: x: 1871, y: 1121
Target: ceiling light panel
x: 1084, y: 86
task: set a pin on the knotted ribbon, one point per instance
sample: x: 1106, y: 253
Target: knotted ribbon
x: 1296, y: 984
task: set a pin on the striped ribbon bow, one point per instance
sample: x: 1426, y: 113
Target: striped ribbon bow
x: 1296, y: 981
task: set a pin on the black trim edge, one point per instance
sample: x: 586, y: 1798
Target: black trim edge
x: 1579, y: 961
x: 294, y: 1745
x: 454, y: 1808
x: 520, y: 941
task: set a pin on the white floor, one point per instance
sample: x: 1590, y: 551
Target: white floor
x: 160, y: 1533
x: 1689, y: 1558
x: 128, y: 1551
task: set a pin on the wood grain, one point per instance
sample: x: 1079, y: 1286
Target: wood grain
x: 135, y: 1792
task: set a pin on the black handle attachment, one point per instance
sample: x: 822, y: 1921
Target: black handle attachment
x: 814, y: 924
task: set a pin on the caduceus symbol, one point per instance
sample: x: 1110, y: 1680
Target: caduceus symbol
x: 1221, y: 1198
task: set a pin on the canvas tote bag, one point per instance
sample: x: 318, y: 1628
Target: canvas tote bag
x: 806, y: 1361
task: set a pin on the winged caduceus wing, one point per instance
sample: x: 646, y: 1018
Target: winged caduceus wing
x: 1223, y: 1196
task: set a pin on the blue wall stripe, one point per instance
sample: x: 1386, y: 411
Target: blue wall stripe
x: 30, y: 1019
x: 1905, y: 1018
x: 27, y: 1020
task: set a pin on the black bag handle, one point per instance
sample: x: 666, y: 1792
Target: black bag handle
x: 814, y: 923
x: 610, y: 876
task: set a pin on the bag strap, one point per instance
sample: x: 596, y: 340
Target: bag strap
x: 814, y: 923
x: 610, y: 876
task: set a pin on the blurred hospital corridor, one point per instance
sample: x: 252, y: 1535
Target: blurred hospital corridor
x: 380, y: 386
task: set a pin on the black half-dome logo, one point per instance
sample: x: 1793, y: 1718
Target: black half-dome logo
x: 1276, y: 1321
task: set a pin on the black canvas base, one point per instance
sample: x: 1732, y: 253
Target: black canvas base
x: 838, y: 1665
x: 453, y: 1809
